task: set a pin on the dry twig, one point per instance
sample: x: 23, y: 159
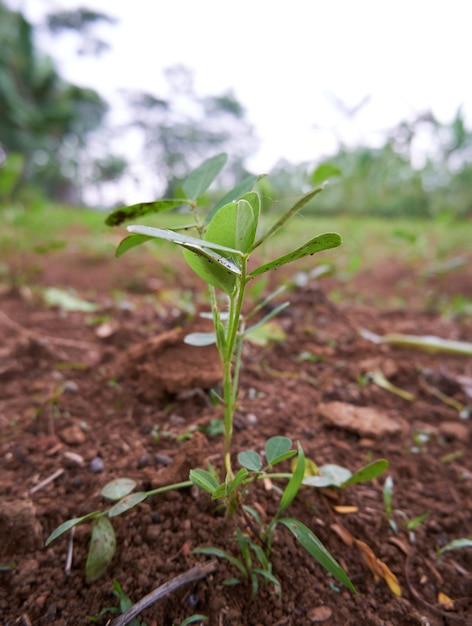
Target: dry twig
x: 192, y: 575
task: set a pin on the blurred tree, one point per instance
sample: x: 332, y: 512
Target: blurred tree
x: 42, y: 117
x: 81, y: 21
x: 182, y: 129
x: 423, y: 168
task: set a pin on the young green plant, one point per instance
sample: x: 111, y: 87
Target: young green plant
x: 220, y: 255
x: 220, y: 251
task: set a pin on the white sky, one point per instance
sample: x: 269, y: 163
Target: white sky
x: 287, y: 62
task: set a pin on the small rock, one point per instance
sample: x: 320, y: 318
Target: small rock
x: 105, y: 330
x: 41, y: 601
x: 70, y: 386
x: 72, y: 435
x: 152, y: 533
x: 320, y: 614
x: 162, y: 459
x: 176, y: 420
x: 144, y: 461
x: 71, y: 459
x: 454, y: 430
x: 20, y: 531
x: 28, y: 568
x: 97, y: 465
x: 366, y: 421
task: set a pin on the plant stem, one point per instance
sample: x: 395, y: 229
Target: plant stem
x: 182, y: 485
x: 231, y: 356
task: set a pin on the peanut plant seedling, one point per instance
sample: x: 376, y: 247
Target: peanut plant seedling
x: 219, y: 249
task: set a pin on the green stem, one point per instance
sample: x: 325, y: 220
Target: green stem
x: 232, y: 356
x: 183, y: 485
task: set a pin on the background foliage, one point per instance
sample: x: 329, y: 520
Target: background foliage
x: 60, y: 141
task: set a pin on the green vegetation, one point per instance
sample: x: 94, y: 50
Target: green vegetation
x: 226, y: 236
x: 383, y: 182
x: 57, y: 141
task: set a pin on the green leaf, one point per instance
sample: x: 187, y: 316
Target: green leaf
x: 200, y: 339
x: 313, y: 546
x: 101, y: 550
x: 130, y: 242
x: 204, y: 480
x: 275, y: 447
x: 253, y: 513
x: 387, y: 494
x: 65, y: 526
x: 270, y: 578
x: 294, y: 484
x: 457, y: 544
x: 67, y: 301
x: 318, y: 244
x: 368, y: 472
x: 198, y: 181
x: 416, y: 521
x: 220, y: 492
x: 125, y: 602
x: 128, y: 502
x: 261, y: 556
x: 267, y: 317
x: 290, y: 213
x: 222, y: 554
x: 250, y: 460
x: 193, y: 619
x: 323, y: 172
x: 234, y: 194
x: 192, y: 243
x: 118, y: 488
x: 212, y: 273
x: 215, y: 269
x: 237, y: 480
x: 330, y: 475
x: 261, y: 334
x: 118, y: 216
x: 235, y: 225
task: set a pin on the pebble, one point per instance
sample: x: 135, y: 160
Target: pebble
x: 320, y: 614
x: 176, y: 420
x: 162, y: 459
x: 152, y: 532
x: 97, y: 465
x: 41, y: 601
x: 252, y: 419
x: 455, y: 430
x: 20, y: 530
x: 70, y: 386
x: 72, y: 435
x: 73, y: 458
x: 368, y: 422
x: 144, y: 461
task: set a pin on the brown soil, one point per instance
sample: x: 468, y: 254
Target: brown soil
x: 124, y: 389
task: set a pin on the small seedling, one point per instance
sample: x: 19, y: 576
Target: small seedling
x: 408, y: 524
x: 125, y: 604
x: 455, y: 544
x: 218, y: 245
x: 258, y: 539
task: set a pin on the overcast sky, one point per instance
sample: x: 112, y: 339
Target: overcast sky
x: 289, y: 63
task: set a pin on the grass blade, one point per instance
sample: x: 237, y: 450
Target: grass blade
x: 313, y: 546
